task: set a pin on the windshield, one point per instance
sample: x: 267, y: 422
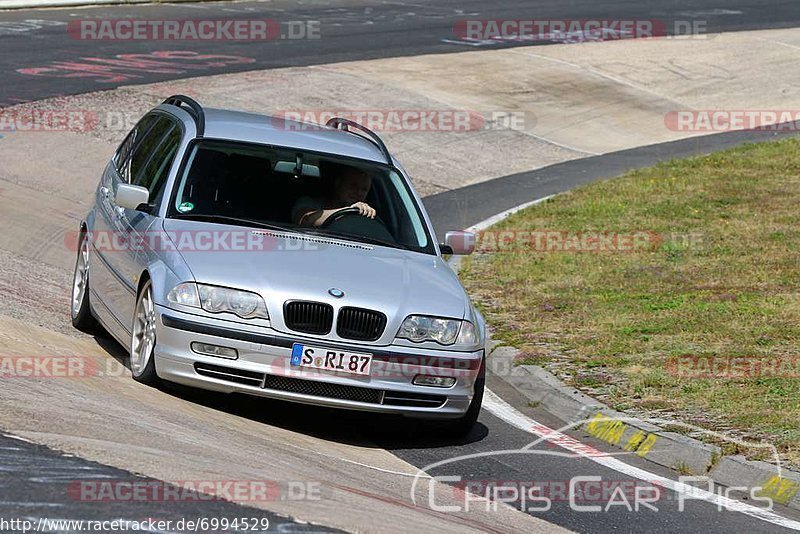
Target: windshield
x: 242, y: 184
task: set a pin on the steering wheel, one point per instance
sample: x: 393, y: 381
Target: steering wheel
x: 344, y: 212
x: 358, y: 226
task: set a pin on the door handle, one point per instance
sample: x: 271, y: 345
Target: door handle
x: 119, y: 211
x: 105, y: 192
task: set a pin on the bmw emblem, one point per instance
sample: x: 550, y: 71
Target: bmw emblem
x: 336, y: 292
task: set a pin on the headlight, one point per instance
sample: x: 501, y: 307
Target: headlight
x: 215, y: 299
x: 467, y: 335
x: 420, y: 328
x: 184, y: 294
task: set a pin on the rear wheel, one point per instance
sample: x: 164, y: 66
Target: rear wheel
x: 80, y: 310
x: 143, y: 339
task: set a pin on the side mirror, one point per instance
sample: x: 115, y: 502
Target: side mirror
x: 131, y: 196
x: 459, y: 243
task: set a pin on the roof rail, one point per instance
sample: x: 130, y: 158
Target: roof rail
x: 343, y: 124
x: 194, y: 109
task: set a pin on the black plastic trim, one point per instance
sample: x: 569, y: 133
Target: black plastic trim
x: 343, y: 124
x: 195, y: 110
x: 287, y: 342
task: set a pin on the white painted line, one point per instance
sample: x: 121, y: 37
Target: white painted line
x: 455, y: 261
x: 711, y: 13
x: 31, y: 504
x: 473, y: 42
x: 500, y: 408
x: 483, y: 225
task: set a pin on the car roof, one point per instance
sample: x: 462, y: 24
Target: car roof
x: 279, y: 131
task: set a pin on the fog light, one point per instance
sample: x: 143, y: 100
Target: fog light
x: 434, y: 381
x: 214, y: 350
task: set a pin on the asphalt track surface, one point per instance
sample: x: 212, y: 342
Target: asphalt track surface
x: 39, y: 58
x: 463, y: 207
x: 37, y: 483
x: 30, y: 475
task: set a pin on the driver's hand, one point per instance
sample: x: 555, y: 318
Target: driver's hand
x: 364, y: 209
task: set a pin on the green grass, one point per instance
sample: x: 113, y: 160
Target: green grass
x: 721, y: 281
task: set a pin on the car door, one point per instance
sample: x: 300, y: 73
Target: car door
x: 108, y: 283
x: 148, y: 167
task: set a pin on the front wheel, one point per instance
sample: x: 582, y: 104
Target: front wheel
x: 143, y: 342
x: 80, y: 310
x: 463, y: 425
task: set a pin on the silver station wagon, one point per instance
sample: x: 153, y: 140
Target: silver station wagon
x: 246, y: 253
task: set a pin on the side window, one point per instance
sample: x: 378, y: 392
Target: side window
x: 123, y: 156
x: 153, y: 175
x: 145, y: 148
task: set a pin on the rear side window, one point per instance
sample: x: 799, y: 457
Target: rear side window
x: 153, y: 175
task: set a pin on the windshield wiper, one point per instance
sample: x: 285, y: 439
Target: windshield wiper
x: 208, y: 217
x: 363, y: 239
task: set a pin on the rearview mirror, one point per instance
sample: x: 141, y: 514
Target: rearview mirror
x: 459, y: 243
x: 131, y: 196
x: 290, y: 167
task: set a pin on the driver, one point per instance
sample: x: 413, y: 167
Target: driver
x: 350, y: 188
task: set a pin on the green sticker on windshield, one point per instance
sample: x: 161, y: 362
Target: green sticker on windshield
x: 186, y: 206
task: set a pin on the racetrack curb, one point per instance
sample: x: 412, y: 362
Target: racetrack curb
x: 652, y: 442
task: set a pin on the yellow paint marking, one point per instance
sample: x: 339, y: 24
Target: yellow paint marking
x: 635, y: 441
x: 648, y: 443
x: 611, y: 431
x: 780, y: 490
x: 606, y: 429
x: 591, y: 427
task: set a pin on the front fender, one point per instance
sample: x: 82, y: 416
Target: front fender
x: 166, y: 269
x: 480, y: 324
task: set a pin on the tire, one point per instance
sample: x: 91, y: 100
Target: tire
x: 461, y: 427
x: 80, y: 309
x: 143, y: 338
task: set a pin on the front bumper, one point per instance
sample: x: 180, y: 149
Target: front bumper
x: 263, y: 369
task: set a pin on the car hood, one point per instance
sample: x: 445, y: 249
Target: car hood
x: 394, y: 281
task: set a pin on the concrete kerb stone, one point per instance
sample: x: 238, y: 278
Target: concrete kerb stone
x: 779, y: 484
x: 675, y: 451
x: 630, y: 434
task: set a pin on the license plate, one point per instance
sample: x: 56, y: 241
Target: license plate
x: 330, y: 359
